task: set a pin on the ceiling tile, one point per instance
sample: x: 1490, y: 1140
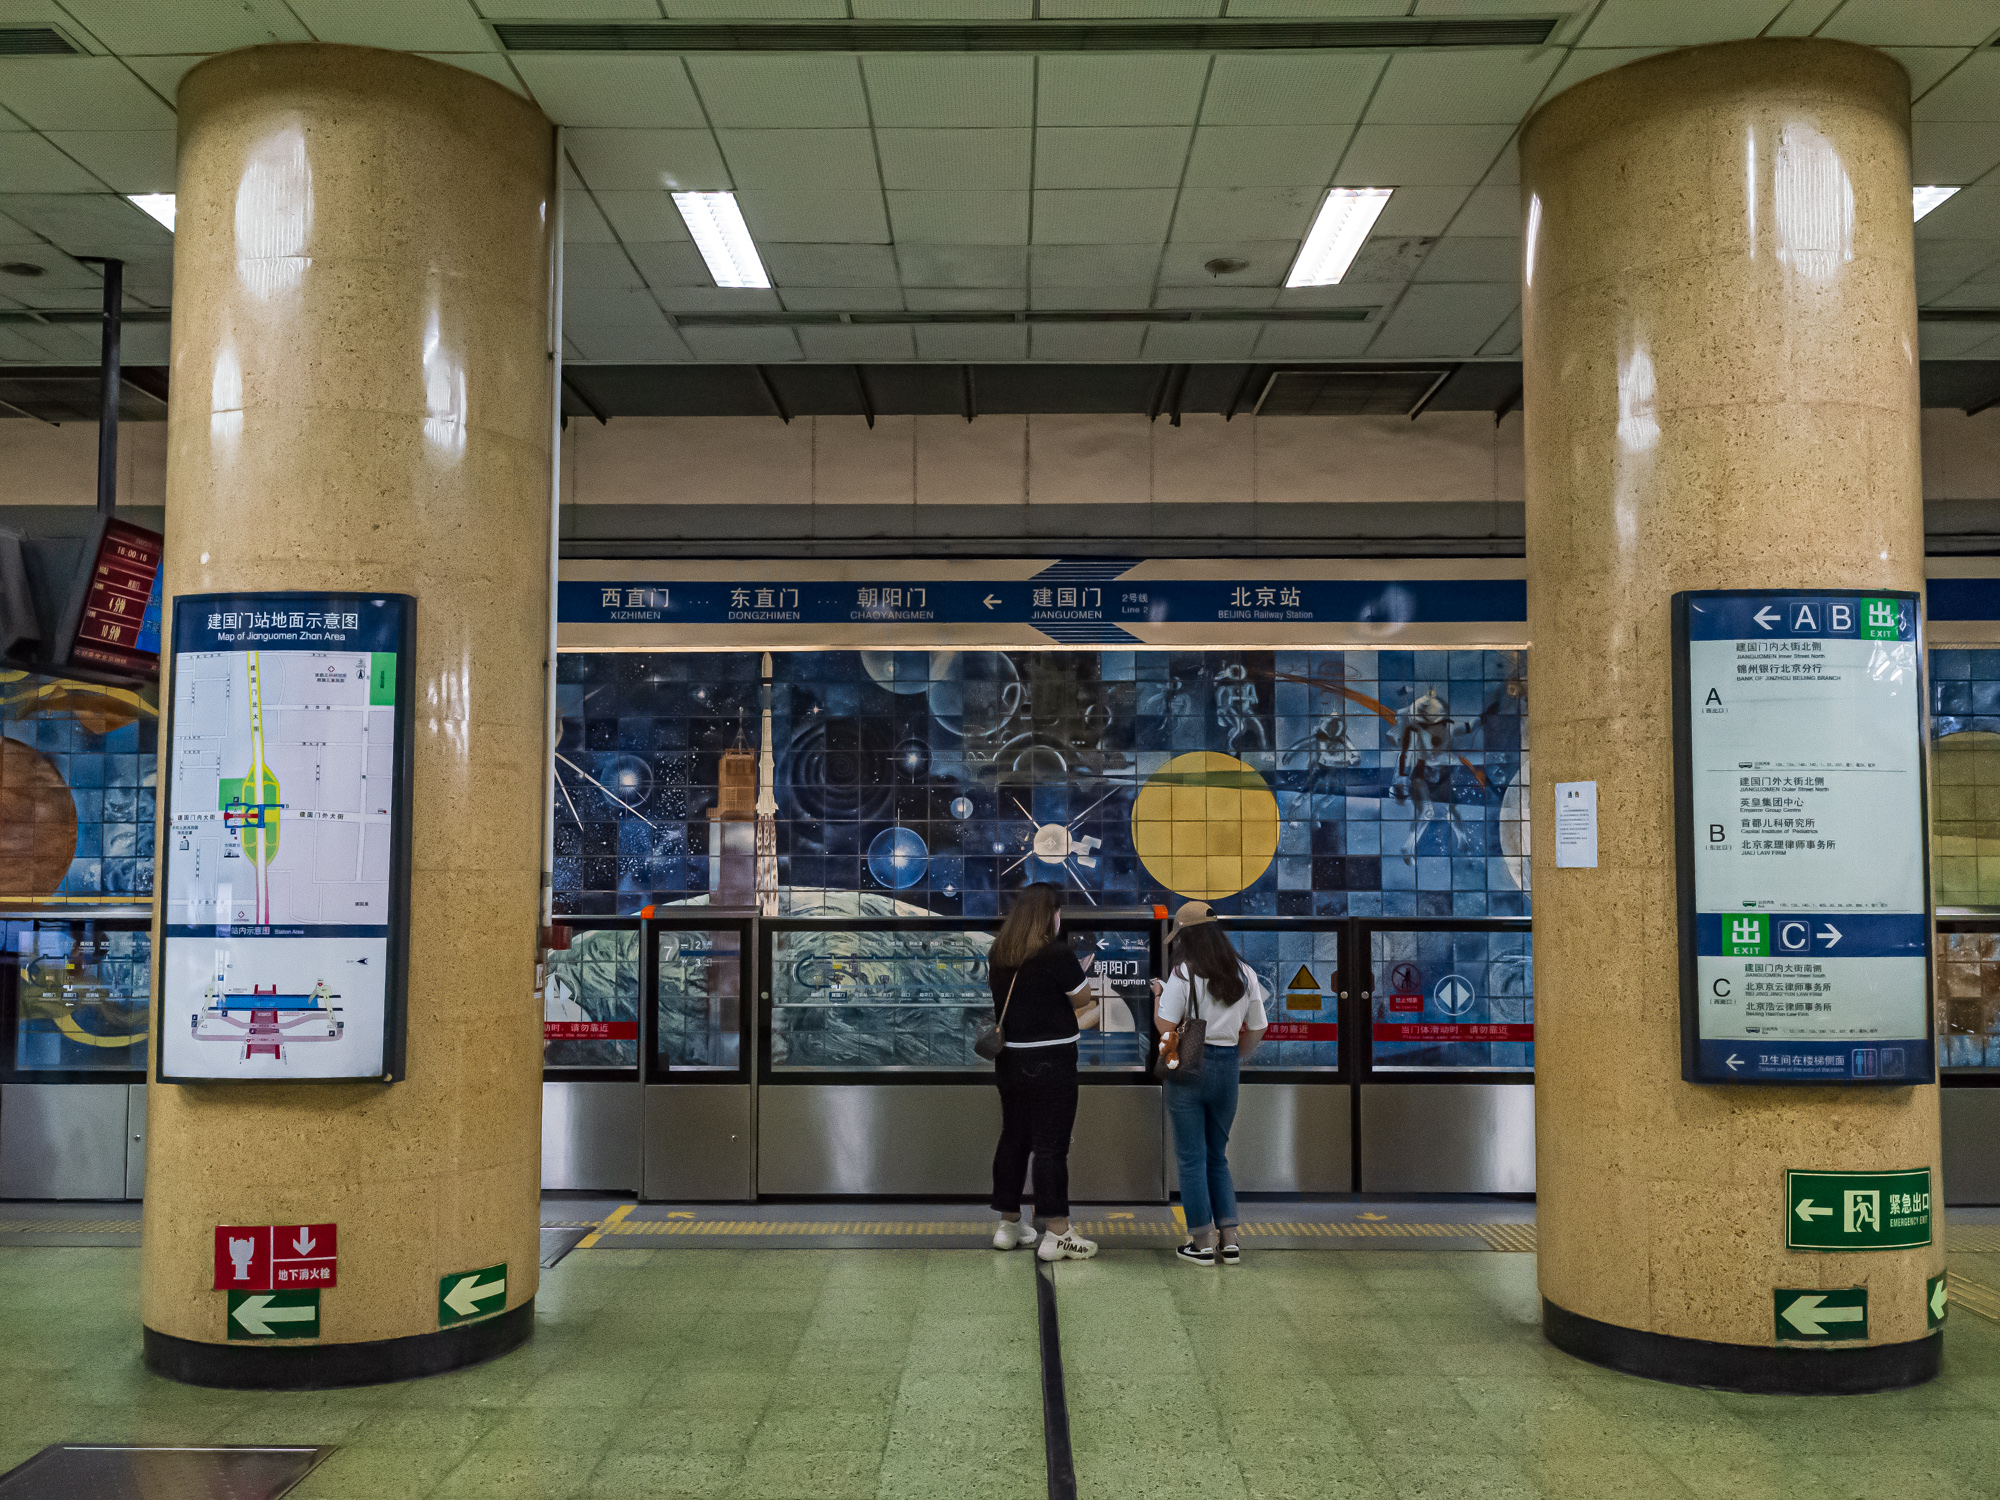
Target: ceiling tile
x: 1220, y: 215
x: 955, y: 159
x: 1444, y: 321
x: 972, y: 343
x: 585, y: 304
x: 1970, y: 213
x: 964, y: 299
x: 642, y: 338
x: 830, y: 160
x: 1122, y: 266
x: 1970, y: 94
x: 1506, y: 341
x: 940, y: 91
x: 683, y: 160
x: 993, y: 218
x: 1950, y: 340
x: 406, y: 25
x: 630, y: 90
x: 1971, y: 294
x: 1927, y: 65
x: 1914, y: 23
x: 489, y: 65
x: 1473, y: 258
x: 1123, y: 298
x: 832, y: 218
x: 717, y: 299
x: 1086, y: 343
x: 184, y: 26
x: 1102, y: 216
x: 1495, y: 85
x: 840, y: 298
x: 569, y: 10
x: 1954, y: 260
x: 755, y: 10
x: 1495, y: 209
x: 1939, y: 153
x: 145, y: 344
x: 761, y: 92
x: 830, y: 265
x: 1136, y: 156
x: 744, y: 346
x: 80, y: 93
x: 12, y: 233
x: 1265, y: 155
x: 666, y: 264
x: 1678, y: 23
x: 1802, y: 17
x: 1186, y: 265
x: 1422, y: 209
x: 962, y: 266
x: 1314, y: 340
x: 131, y: 161
x: 1194, y: 341
x: 582, y: 223
x: 945, y: 10
x: 61, y: 275
x: 1393, y: 155
x: 1349, y: 293
x: 1221, y: 294
x: 1147, y: 90
x: 643, y: 216
x: 1127, y: 10
x: 599, y: 268
x: 83, y: 223
x: 1299, y: 89
x: 1588, y: 63
x: 29, y: 164
x: 854, y: 345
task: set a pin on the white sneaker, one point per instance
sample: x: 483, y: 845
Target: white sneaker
x: 1066, y: 1246
x: 1014, y: 1232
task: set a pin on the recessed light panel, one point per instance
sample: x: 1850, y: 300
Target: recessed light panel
x: 156, y: 205
x: 1927, y: 198
x: 722, y: 238
x: 1337, y: 235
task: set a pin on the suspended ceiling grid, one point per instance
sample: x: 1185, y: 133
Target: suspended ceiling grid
x: 924, y: 185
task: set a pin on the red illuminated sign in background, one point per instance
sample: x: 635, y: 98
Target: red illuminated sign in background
x: 114, y: 601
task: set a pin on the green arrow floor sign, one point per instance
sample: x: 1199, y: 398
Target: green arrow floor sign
x: 274, y: 1315
x: 1858, y: 1210
x: 471, y: 1294
x: 1937, y: 1301
x: 1815, y: 1316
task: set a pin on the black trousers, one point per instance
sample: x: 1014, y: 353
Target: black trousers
x: 1037, y: 1116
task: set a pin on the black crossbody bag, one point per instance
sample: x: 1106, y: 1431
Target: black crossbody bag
x: 992, y: 1041
x: 1193, y: 1032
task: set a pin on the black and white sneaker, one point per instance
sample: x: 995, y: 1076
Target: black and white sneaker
x: 1231, y: 1255
x: 1195, y: 1255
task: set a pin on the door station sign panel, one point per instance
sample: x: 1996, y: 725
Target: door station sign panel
x: 274, y: 1257
x: 1858, y: 1210
x: 1800, y: 813
x: 285, y: 849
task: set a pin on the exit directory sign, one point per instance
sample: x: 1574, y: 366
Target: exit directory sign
x: 1858, y: 1210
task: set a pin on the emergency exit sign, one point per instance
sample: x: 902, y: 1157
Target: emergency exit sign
x: 1858, y: 1210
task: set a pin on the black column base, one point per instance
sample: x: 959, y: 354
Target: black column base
x: 1774, y: 1370
x: 244, y: 1366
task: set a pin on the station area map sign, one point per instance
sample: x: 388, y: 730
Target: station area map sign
x: 1800, y: 800
x: 285, y: 858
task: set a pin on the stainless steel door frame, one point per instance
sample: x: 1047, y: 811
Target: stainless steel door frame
x: 1472, y: 1137
x: 698, y: 1131
x: 135, y: 1141
x: 63, y: 1140
x: 592, y: 1136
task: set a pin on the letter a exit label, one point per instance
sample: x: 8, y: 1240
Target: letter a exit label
x: 1858, y: 1210
x: 471, y: 1294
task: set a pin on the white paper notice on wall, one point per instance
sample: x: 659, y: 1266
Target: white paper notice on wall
x: 1576, y: 825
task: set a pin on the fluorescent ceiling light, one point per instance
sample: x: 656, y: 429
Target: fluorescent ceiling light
x: 1928, y: 198
x: 161, y: 206
x: 722, y: 238
x: 1337, y: 235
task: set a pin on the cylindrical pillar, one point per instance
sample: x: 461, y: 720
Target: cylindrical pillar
x: 1720, y: 349
x: 362, y: 284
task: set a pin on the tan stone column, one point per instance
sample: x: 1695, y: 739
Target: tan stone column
x: 362, y: 276
x: 1720, y: 347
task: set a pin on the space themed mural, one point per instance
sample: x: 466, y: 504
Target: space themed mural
x: 1270, y: 783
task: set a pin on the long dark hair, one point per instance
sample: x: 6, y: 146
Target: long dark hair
x: 1030, y: 926
x: 1207, y: 954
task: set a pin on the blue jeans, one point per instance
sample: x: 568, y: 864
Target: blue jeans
x: 1202, y: 1113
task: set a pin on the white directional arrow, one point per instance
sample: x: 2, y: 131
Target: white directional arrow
x: 464, y: 1298
x: 1733, y: 1062
x: 303, y: 1241
x: 1938, y: 1300
x: 1767, y: 610
x: 991, y: 601
x: 1807, y: 1212
x: 1806, y: 1315
x: 257, y: 1315
x: 1831, y: 935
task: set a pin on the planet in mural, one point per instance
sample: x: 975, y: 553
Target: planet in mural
x: 897, y: 857
x: 1205, y: 825
x: 903, y: 672
x: 961, y: 807
x: 38, y: 834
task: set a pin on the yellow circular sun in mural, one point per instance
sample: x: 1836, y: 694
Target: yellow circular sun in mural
x: 1205, y: 825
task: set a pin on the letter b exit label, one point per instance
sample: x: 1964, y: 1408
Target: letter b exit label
x: 1858, y: 1210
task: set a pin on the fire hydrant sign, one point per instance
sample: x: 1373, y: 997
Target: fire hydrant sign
x: 1800, y: 813
x: 274, y: 1257
x: 1858, y: 1210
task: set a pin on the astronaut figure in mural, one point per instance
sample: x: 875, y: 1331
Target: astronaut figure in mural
x: 1423, y: 770
x: 1236, y: 709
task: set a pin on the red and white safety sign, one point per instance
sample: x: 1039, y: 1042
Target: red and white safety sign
x: 274, y: 1257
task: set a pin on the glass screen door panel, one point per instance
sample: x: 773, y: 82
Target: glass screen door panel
x: 1968, y: 988
x: 699, y: 987
x: 590, y: 998
x: 75, y: 994
x: 1456, y: 1000
x: 1300, y: 969
x: 1117, y: 1034
x: 878, y: 998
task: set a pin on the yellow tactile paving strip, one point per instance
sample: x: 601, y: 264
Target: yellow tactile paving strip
x: 1973, y: 1296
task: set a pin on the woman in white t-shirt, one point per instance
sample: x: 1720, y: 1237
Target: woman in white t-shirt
x: 1205, y: 973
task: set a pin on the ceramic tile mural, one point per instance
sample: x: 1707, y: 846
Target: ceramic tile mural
x: 1271, y: 783
x: 80, y: 994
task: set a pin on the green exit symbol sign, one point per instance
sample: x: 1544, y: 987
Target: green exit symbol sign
x: 1746, y: 936
x: 1858, y: 1210
x: 1880, y: 620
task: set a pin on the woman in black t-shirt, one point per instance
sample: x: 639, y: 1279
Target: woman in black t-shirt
x: 1039, y: 986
